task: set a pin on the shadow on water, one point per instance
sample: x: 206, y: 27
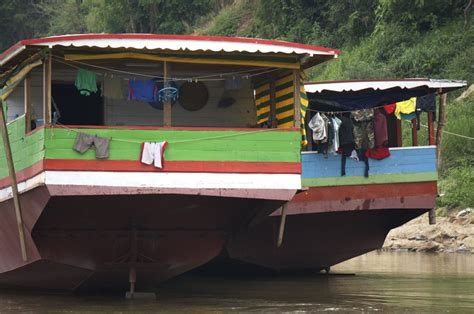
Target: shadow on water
x: 388, y: 282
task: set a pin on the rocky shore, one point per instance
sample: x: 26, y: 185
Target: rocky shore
x: 451, y: 234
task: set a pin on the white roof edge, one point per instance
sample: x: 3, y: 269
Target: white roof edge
x: 341, y: 86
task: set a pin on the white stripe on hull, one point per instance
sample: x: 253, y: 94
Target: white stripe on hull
x: 160, y: 180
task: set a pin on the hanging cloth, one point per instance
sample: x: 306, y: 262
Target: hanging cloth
x: 317, y: 125
x: 406, y: 107
x: 380, y: 129
x: 112, y: 88
x: 153, y: 153
x: 85, y: 141
x: 142, y: 90
x: 86, y: 82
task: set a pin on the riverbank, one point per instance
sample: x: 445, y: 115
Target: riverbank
x: 451, y: 234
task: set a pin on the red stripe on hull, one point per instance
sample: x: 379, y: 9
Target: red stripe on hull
x: 24, y: 174
x: 173, y: 166
x: 332, y: 193
x: 412, y: 195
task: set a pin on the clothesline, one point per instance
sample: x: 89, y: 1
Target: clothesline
x: 171, y: 142
x: 342, y: 111
x: 447, y: 132
x: 219, y: 76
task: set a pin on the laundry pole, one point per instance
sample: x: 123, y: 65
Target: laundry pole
x: 11, y: 170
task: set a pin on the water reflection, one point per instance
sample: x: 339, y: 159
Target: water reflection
x: 388, y: 282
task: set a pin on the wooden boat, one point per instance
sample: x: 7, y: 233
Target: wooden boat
x: 335, y: 218
x: 69, y: 221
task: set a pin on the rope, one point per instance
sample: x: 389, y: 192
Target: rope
x: 444, y: 131
x: 220, y: 76
x: 343, y: 111
x: 172, y: 142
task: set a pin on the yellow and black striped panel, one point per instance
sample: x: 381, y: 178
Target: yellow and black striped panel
x: 262, y: 102
x: 284, y: 103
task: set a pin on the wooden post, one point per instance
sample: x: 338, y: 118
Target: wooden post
x: 27, y: 96
x: 281, y: 231
x: 297, y: 99
x: 432, y: 216
x: 11, y: 170
x: 273, y: 118
x: 431, y: 135
x: 166, y: 104
x: 439, y: 131
x: 398, y: 130
x: 414, y: 133
x: 47, y: 74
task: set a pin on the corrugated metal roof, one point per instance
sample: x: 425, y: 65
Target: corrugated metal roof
x: 171, y: 42
x: 358, y: 85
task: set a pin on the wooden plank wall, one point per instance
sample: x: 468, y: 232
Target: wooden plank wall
x: 26, y: 149
x: 241, y: 114
x: 270, y: 146
x: 408, y: 164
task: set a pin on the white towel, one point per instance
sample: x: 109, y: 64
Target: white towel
x: 153, y: 153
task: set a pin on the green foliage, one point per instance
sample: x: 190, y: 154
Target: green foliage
x: 232, y: 20
x: 457, y: 185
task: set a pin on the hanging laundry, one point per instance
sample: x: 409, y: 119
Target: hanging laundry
x: 364, y: 128
x: 336, y: 122
x: 100, y: 144
x: 427, y: 103
x: 142, y: 90
x: 380, y: 129
x: 408, y: 116
x: 112, y: 88
x: 406, y: 107
x: 317, y: 125
x: 377, y: 153
x: 86, y: 82
x: 346, y: 131
x: 390, y: 108
x: 153, y: 153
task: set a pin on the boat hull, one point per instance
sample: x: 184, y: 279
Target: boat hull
x: 327, y: 225
x: 91, y: 242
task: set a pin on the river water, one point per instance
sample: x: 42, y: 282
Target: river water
x: 378, y: 281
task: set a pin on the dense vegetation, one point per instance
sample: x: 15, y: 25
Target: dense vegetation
x: 379, y: 38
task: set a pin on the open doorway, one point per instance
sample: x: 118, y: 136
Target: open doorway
x: 76, y: 109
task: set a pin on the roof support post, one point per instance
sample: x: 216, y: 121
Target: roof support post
x: 27, y: 99
x: 11, y: 170
x: 297, y: 99
x: 47, y: 74
x: 414, y: 133
x: 167, y: 103
x: 431, y: 135
x: 439, y: 131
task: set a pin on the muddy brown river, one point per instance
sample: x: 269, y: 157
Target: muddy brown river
x: 378, y: 281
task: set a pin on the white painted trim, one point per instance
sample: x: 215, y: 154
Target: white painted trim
x: 38, y: 180
x: 184, y: 44
x: 165, y: 180
x: 344, y: 86
x: 174, y: 180
x: 12, y: 55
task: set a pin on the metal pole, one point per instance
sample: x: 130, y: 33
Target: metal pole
x: 282, y: 225
x: 11, y: 170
